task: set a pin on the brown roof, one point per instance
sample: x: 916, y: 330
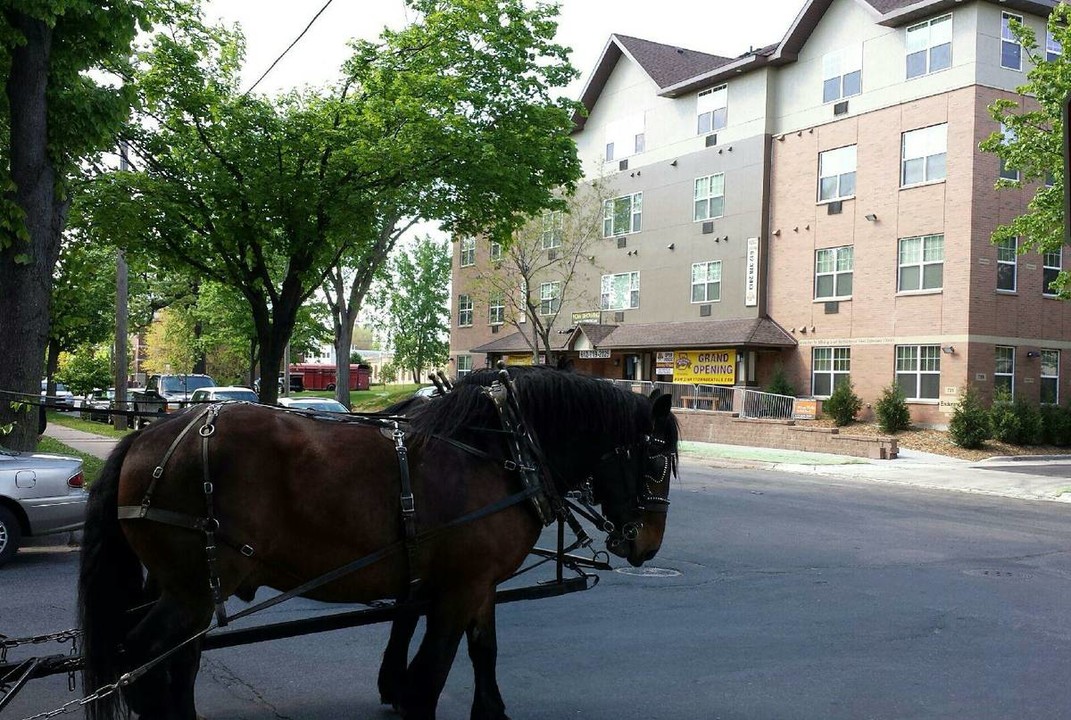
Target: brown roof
x: 753, y: 332
x: 702, y: 333
x: 669, y: 64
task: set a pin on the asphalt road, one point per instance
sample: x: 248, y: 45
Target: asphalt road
x: 789, y: 597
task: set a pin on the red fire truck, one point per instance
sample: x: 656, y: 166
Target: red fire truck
x: 322, y: 377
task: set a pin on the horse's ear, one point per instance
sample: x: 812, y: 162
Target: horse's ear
x: 661, y: 406
x: 654, y: 395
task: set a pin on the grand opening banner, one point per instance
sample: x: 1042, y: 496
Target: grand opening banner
x: 705, y: 367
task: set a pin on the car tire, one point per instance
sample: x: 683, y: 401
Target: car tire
x: 10, y: 535
x: 330, y: 387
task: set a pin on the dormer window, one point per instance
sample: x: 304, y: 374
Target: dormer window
x: 712, y: 109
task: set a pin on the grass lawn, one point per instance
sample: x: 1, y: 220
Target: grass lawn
x: 91, y: 465
x: 71, y: 420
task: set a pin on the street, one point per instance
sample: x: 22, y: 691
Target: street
x: 782, y: 596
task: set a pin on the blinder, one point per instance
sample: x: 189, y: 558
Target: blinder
x: 656, y: 467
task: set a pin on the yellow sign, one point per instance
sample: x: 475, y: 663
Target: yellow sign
x: 806, y: 409
x: 518, y: 359
x: 705, y: 367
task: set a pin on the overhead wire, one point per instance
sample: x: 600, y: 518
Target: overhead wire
x: 288, y: 48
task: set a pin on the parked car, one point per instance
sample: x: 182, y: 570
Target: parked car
x: 297, y: 383
x: 228, y: 392
x: 167, y: 393
x: 318, y: 404
x: 62, y: 396
x: 98, y: 406
x: 40, y: 494
x: 428, y: 391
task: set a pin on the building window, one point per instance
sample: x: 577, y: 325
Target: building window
x: 625, y: 137
x: 621, y: 216
x: 833, y: 273
x: 620, y: 292
x: 552, y: 229
x: 712, y: 109
x: 464, y: 310
x: 842, y: 74
x: 468, y: 252
x: 496, y: 251
x: 929, y: 46
x: 830, y: 367
x: 1007, y: 264
x: 709, y: 197
x: 550, y: 294
x: 836, y: 174
x: 1008, y: 173
x: 922, y: 263
x: 706, y: 281
x: 464, y: 365
x: 1052, y: 264
x: 1004, y: 370
x: 496, y: 309
x: 918, y: 371
x: 923, y: 155
x: 1053, y: 49
x: 1050, y: 377
x: 1011, y: 52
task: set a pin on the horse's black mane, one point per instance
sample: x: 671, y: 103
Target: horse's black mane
x: 562, y: 407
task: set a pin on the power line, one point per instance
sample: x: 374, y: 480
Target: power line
x: 288, y: 48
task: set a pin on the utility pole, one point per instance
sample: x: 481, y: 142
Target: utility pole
x: 121, y: 292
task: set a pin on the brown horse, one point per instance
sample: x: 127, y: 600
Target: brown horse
x: 286, y: 498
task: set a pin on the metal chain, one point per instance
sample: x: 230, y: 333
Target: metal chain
x: 71, y: 706
x: 61, y: 636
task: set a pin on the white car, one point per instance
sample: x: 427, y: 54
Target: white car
x: 62, y: 396
x: 227, y: 392
x: 40, y: 494
x: 318, y: 404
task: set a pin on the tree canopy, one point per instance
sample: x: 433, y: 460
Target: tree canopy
x: 418, y: 320
x: 1031, y: 142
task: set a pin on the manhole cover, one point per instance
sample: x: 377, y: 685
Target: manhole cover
x: 654, y: 572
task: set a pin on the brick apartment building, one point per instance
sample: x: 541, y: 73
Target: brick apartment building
x: 819, y: 205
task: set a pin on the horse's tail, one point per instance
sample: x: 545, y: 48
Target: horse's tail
x: 109, y: 584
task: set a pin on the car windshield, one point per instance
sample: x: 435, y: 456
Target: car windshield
x: 187, y: 382
x: 315, y: 404
x: 60, y: 387
x: 237, y: 395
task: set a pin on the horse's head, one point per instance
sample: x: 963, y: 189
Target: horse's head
x: 632, y: 485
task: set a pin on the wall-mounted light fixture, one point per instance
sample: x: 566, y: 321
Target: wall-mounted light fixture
x: 673, y: 164
x: 948, y: 349
x: 777, y: 232
x: 871, y: 217
x: 1033, y: 354
x: 671, y: 246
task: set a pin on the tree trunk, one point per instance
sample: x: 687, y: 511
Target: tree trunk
x: 343, y: 342
x: 26, y: 267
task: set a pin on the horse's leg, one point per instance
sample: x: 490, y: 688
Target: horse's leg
x: 483, y: 650
x: 447, y: 619
x: 395, y: 658
x: 166, y: 691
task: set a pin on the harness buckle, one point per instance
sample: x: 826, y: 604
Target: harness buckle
x: 207, y: 430
x: 208, y: 487
x: 408, y: 504
x: 157, y: 472
x: 246, y: 550
x: 509, y: 465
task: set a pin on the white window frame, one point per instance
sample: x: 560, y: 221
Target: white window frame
x: 1005, y: 172
x: 930, y: 146
x: 464, y: 310
x: 833, y: 363
x: 1051, y: 266
x: 550, y: 297
x: 625, y: 136
x: 929, y: 37
x: 1050, y: 361
x: 634, y: 212
x: 1053, y: 49
x: 918, y: 362
x: 837, y: 165
x: 707, y: 276
x: 1008, y: 41
x: 464, y: 365
x: 552, y: 229
x: 496, y: 309
x: 712, y: 109
x: 837, y: 263
x: 929, y: 252
x: 468, y: 252
x: 1004, y: 369
x: 613, y: 297
x: 709, y: 197
x: 495, y: 251
x: 1008, y: 257
x: 838, y: 67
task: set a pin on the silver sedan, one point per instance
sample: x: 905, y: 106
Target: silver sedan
x: 39, y: 495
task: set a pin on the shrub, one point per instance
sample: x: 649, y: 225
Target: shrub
x: 780, y: 384
x: 1004, y: 423
x: 970, y: 423
x: 891, y: 409
x: 843, y: 404
x: 1030, y: 423
x: 1056, y: 425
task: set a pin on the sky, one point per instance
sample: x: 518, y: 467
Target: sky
x: 719, y: 27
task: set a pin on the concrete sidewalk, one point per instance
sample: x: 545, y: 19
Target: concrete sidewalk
x: 1037, y: 477
x: 1027, y: 477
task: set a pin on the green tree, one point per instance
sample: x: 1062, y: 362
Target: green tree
x: 970, y: 425
x: 419, y: 318
x: 87, y: 368
x: 892, y: 411
x: 843, y: 405
x: 1033, y: 142
x: 56, y: 115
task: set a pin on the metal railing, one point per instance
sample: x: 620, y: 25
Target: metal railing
x: 744, y: 401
